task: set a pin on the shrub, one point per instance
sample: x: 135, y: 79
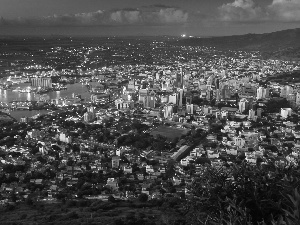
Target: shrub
x: 23, y: 216
x: 143, y: 197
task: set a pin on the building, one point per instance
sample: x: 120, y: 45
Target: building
x: 173, y: 98
x: 25, y: 119
x: 249, y: 90
x: 225, y: 92
x: 70, y: 101
x: 131, y: 85
x: 65, y: 138
x: 298, y: 99
x: 100, y: 98
x: 122, y: 104
x: 180, y: 98
x: 291, y: 98
x: 188, y: 97
x: 286, y: 90
x: 41, y: 82
x: 243, y: 105
x: 115, y: 161
x: 34, y: 134
x: 179, y: 78
x: 259, y: 112
x: 180, y: 153
x: 89, y: 116
x: 149, y: 100
x: 143, y: 95
x: 112, y: 183
x: 168, y: 111
x: 190, y: 109
x: 207, y: 110
x: 239, y: 142
x: 251, y: 114
x: 286, y: 112
x: 262, y: 93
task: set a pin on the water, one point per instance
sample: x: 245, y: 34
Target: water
x: 7, y: 96
x: 18, y: 114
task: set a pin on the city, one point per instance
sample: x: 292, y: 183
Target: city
x: 145, y: 129
x: 150, y: 114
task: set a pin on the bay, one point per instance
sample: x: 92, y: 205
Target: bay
x: 7, y: 96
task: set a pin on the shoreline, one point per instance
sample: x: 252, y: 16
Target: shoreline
x: 7, y: 115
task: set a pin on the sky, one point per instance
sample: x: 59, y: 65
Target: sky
x: 147, y: 17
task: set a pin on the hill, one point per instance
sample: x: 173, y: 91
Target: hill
x: 280, y: 45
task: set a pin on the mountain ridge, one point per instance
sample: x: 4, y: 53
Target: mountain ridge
x: 283, y: 44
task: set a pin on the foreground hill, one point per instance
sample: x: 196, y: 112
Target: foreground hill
x: 282, y: 44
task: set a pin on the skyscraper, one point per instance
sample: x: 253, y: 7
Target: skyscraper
x: 150, y: 100
x: 262, y: 93
x: 180, y: 98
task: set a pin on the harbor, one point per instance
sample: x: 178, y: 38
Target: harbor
x: 28, y: 104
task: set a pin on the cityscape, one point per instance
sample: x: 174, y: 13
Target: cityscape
x: 150, y: 129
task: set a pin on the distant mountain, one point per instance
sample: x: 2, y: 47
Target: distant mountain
x: 282, y: 44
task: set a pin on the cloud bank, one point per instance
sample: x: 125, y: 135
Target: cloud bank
x: 249, y: 11
x: 285, y: 10
x: 151, y: 15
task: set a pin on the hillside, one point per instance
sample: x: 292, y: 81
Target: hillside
x: 282, y: 44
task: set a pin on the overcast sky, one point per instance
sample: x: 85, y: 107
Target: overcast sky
x: 147, y: 17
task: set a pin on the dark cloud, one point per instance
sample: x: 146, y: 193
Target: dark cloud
x: 150, y: 15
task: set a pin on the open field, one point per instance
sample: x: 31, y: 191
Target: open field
x: 169, y: 132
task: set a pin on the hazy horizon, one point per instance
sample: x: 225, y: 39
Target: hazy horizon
x: 147, y: 18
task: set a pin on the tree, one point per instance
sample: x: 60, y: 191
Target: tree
x: 143, y: 197
x: 111, y: 198
x: 203, y: 161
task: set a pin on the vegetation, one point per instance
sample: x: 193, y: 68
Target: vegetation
x: 239, y: 194
x: 246, y: 194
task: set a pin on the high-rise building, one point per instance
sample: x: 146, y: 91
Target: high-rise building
x: 291, y: 98
x: 217, y: 83
x: 286, y: 112
x: 218, y: 96
x: 259, y: 112
x: 249, y: 90
x: 189, y: 108
x: 180, y: 98
x: 286, y: 90
x: 168, y: 111
x: 243, y: 105
x: 298, y: 99
x: 225, y: 92
x: 262, y: 93
x: 173, y: 98
x: 142, y: 95
x: 179, y: 78
x: 251, y: 114
x: 132, y: 85
x: 188, y: 97
x: 149, y: 100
